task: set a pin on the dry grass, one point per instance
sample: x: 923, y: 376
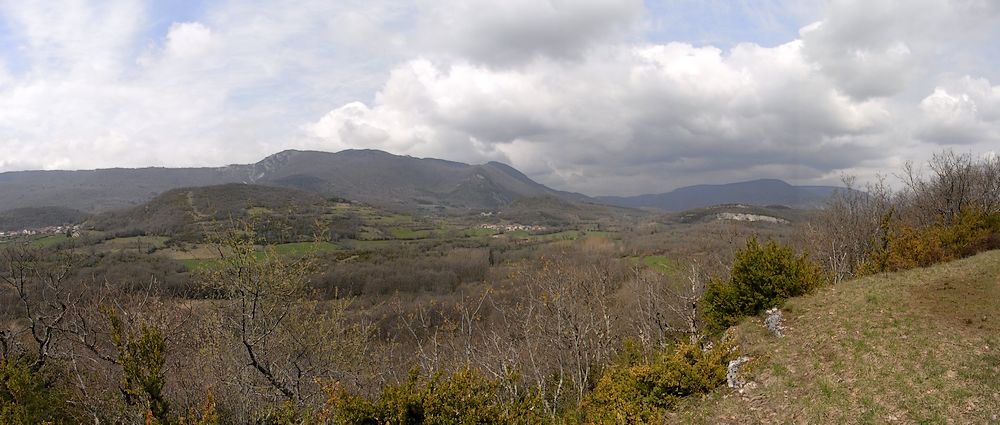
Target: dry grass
x: 922, y: 346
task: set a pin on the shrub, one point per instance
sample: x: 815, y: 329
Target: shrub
x: 637, y: 392
x: 141, y: 358
x: 763, y: 276
x: 906, y: 247
x: 30, y: 396
x: 465, y: 397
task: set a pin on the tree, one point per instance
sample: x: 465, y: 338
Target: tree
x: 45, y: 301
x: 762, y: 277
x: 141, y: 358
x: 266, y: 317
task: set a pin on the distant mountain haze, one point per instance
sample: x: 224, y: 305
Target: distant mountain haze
x: 38, y: 217
x: 370, y: 176
x: 756, y: 192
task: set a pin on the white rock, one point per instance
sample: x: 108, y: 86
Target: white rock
x: 773, y: 322
x: 733, y: 372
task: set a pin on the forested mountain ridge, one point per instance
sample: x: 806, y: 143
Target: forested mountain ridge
x: 755, y: 192
x: 371, y: 176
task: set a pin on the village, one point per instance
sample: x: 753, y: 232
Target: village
x: 69, y: 231
x: 513, y: 227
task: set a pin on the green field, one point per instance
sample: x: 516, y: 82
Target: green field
x: 556, y: 236
x: 49, y: 240
x: 658, y: 263
x: 365, y: 244
x: 203, y: 255
x: 304, y: 248
x: 478, y: 232
x: 135, y: 242
x: 406, y: 233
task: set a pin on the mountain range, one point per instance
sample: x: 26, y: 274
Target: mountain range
x: 369, y: 176
x: 755, y: 192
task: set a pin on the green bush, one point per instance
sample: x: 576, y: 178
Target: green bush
x: 141, y: 358
x: 465, y: 397
x: 32, y: 397
x: 763, y: 276
x: 637, y: 392
x: 905, y: 246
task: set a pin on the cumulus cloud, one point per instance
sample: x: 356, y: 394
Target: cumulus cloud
x: 231, y: 87
x: 966, y: 111
x: 574, y: 93
x: 513, y: 32
x: 679, y: 112
x: 876, y: 48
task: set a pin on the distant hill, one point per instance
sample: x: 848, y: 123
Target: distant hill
x: 102, y: 190
x: 186, y: 213
x: 39, y: 217
x: 738, y: 212
x: 756, y: 192
x: 553, y: 211
x: 381, y: 178
x: 371, y: 176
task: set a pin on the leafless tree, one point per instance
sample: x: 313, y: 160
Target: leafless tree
x: 946, y: 193
x: 270, y: 335
x: 850, y: 226
x: 667, y: 307
x: 45, y: 300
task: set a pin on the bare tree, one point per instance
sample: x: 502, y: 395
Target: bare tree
x: 987, y: 193
x: 666, y: 307
x: 948, y: 191
x: 265, y: 316
x: 851, y: 226
x: 45, y: 300
x: 566, y: 324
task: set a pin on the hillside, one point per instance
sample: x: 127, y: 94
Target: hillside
x: 39, y: 217
x: 922, y: 346
x: 104, y: 190
x: 552, y: 211
x: 384, y: 179
x: 756, y: 192
x: 738, y: 212
x: 183, y: 213
x: 370, y: 176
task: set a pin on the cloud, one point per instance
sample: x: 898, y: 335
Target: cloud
x: 876, y: 48
x: 579, y: 94
x: 231, y: 87
x: 65, y: 36
x: 512, y: 32
x: 964, y: 112
x: 673, y: 111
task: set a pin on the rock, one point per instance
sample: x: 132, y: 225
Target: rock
x: 733, y: 372
x: 774, y: 322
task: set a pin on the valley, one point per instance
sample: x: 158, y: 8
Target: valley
x: 588, y: 212
x: 322, y: 299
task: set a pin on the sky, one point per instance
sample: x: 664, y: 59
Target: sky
x: 597, y: 96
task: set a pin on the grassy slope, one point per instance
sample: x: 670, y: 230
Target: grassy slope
x: 922, y: 346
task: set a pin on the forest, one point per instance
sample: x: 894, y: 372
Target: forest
x: 299, y: 309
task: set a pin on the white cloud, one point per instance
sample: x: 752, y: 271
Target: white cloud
x: 187, y: 40
x: 513, y: 32
x: 67, y: 36
x: 232, y: 87
x: 690, y: 111
x: 965, y: 112
x: 567, y: 91
x: 876, y: 48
